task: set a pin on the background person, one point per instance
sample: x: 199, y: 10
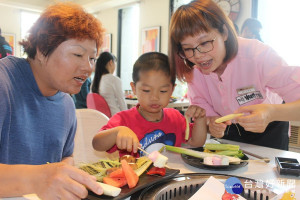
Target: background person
x: 37, y: 118
x: 108, y: 85
x: 80, y: 98
x: 227, y: 74
x: 5, y: 48
x: 251, y: 29
x: 150, y: 124
x: 237, y: 30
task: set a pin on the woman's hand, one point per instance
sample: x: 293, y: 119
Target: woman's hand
x: 127, y: 139
x: 63, y: 181
x: 257, y: 120
x: 217, y: 129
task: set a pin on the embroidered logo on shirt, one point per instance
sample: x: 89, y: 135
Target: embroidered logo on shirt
x: 251, y: 96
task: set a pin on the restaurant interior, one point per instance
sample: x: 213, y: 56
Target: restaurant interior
x: 126, y: 23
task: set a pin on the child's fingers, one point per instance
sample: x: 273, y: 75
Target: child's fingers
x: 136, y: 144
x: 123, y: 143
x: 202, y: 112
x: 119, y: 142
x: 199, y: 113
x: 129, y: 144
x: 195, y: 112
x: 190, y: 111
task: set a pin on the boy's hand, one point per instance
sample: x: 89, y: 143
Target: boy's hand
x: 195, y: 112
x: 199, y: 130
x: 217, y: 129
x: 127, y: 139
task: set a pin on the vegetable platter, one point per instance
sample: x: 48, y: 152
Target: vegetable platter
x: 126, y: 189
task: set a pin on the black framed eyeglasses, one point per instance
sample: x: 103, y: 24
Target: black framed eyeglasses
x: 203, y: 47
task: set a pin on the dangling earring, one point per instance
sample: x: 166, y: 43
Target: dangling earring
x: 185, y: 63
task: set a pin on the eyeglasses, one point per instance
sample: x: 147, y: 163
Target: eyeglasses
x: 203, y: 47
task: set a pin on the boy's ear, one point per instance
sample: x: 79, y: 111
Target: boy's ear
x: 133, y: 87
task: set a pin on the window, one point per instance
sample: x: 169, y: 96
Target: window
x: 177, y: 3
x: 280, y: 27
x: 181, y: 87
x: 27, y: 20
x: 128, y: 43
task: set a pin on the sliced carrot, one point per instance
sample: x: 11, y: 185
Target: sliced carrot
x: 117, y: 174
x: 131, y: 177
x: 117, y: 182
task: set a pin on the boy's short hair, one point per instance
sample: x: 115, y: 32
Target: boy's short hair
x: 152, y: 61
x: 58, y: 23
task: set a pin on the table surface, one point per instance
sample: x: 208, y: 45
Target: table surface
x: 254, y: 170
x: 259, y: 171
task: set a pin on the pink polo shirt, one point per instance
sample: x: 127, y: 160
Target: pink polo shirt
x: 256, y: 75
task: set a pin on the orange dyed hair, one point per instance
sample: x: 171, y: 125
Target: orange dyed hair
x: 58, y: 23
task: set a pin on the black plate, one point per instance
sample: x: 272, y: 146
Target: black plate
x: 144, y: 181
x: 198, y: 162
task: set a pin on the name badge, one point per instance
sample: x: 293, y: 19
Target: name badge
x: 251, y: 96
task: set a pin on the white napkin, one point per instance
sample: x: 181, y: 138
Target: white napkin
x: 213, y: 189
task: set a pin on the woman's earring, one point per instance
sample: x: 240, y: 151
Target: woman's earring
x: 184, y: 60
x: 185, y: 63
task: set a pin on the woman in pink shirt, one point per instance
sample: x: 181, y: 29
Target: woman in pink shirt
x: 227, y: 74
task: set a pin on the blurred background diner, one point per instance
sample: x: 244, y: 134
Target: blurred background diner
x: 106, y: 84
x: 5, y: 48
x: 251, y: 29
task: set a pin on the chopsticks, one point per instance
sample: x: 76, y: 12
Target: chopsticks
x: 143, y: 151
x: 267, y: 160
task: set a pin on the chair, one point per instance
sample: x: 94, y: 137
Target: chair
x: 89, y: 122
x: 97, y: 102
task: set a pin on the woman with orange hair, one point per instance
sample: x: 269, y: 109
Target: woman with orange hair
x: 37, y: 119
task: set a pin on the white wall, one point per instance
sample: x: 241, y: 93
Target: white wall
x: 245, y: 12
x: 152, y: 13
x: 10, y: 22
x: 155, y: 13
x: 109, y: 19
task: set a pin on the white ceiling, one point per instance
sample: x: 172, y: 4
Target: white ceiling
x: 90, y: 5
